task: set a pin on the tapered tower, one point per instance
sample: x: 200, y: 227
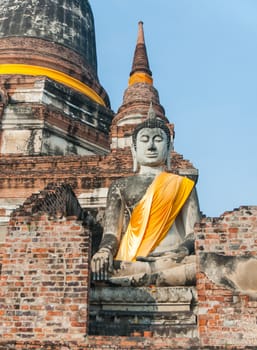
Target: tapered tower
x: 137, y: 98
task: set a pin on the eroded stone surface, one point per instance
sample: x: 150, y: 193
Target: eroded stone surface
x: 169, y: 311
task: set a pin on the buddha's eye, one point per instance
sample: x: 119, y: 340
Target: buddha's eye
x: 144, y: 138
x: 158, y: 138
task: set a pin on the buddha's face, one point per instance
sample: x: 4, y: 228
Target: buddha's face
x: 151, y: 147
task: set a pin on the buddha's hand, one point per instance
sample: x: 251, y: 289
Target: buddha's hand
x: 176, y: 255
x: 102, y: 264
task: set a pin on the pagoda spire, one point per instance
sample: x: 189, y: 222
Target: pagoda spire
x: 140, y: 72
x: 138, y: 96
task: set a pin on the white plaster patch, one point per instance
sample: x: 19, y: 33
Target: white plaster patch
x: 130, y: 119
x: 16, y: 141
x: 29, y: 95
x: 95, y: 199
x: 58, y: 145
x: 3, y: 232
x: 121, y: 142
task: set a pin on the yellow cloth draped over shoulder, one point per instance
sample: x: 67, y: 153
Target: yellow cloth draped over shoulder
x: 153, y: 216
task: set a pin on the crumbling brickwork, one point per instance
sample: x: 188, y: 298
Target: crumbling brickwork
x: 21, y: 176
x: 45, y: 282
x: 226, y: 316
x: 107, y: 343
x: 45, y: 276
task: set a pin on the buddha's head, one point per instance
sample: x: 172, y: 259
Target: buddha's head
x: 151, y: 142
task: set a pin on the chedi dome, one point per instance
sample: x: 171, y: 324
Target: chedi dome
x: 58, y: 34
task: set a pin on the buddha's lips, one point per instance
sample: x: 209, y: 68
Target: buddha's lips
x: 151, y: 155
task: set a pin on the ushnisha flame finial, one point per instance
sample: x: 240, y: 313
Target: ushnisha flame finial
x: 151, y: 112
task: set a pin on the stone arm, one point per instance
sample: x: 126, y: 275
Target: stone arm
x: 190, y: 215
x: 102, y: 261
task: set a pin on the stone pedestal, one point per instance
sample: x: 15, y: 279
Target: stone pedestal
x: 164, y: 311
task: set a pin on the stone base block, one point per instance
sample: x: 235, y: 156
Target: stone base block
x: 164, y: 311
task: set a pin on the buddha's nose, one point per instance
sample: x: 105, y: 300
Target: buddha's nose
x: 151, y: 146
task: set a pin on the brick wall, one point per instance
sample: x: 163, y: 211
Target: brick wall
x: 226, y: 316
x: 107, y: 343
x: 20, y: 176
x: 25, y: 175
x: 44, y: 280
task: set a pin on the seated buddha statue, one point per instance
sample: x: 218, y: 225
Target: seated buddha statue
x: 148, y: 235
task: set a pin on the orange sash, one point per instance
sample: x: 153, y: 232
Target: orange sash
x: 153, y: 216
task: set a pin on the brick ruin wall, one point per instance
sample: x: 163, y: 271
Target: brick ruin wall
x: 45, y: 274
x: 226, y: 316
x: 45, y: 283
x: 21, y: 176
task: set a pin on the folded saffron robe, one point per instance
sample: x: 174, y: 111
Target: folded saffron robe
x: 153, y: 216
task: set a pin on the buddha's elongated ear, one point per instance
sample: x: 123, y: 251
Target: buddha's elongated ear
x: 134, y: 157
x: 168, y: 160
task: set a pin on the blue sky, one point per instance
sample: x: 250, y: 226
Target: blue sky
x: 203, y: 55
